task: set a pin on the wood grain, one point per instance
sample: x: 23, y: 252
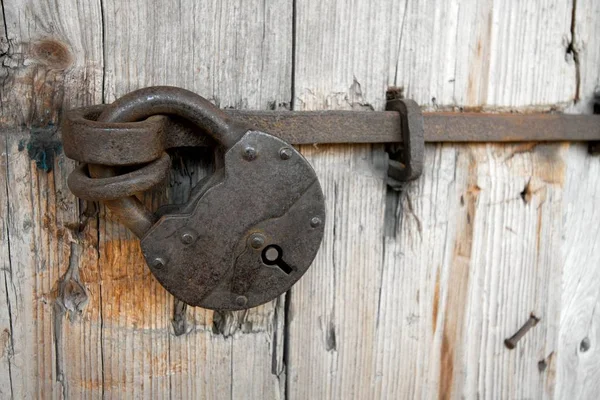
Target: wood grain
x: 475, y: 250
x: 446, y: 55
x: 585, y: 31
x: 83, y: 318
x: 49, y: 260
x: 6, y: 290
x: 237, y: 54
x: 576, y: 367
x: 470, y: 249
x: 51, y: 59
x: 51, y: 53
x: 412, y: 293
x: 579, y: 333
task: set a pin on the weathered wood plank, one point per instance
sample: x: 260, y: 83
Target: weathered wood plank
x: 473, y: 247
x: 6, y: 290
x: 577, y: 367
x: 411, y: 294
x: 503, y: 264
x: 585, y: 50
x: 235, y: 53
x: 445, y: 54
x: 6, y: 341
x: 577, y: 371
x: 51, y: 58
x: 128, y: 347
x: 334, y: 307
x: 238, y: 54
x: 46, y: 288
x: 475, y: 250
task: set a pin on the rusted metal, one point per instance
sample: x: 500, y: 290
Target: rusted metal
x: 512, y: 341
x: 307, y: 127
x: 124, y: 185
x: 212, y: 250
x: 406, y: 161
x: 125, y: 143
x: 145, y: 103
x: 485, y: 127
x: 215, y: 250
x: 314, y: 127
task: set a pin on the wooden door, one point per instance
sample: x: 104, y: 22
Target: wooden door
x: 411, y: 294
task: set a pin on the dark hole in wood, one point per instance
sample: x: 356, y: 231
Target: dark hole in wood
x: 585, y: 345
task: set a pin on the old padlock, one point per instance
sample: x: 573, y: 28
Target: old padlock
x: 246, y: 234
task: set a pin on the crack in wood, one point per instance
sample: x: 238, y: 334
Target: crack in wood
x: 5, y: 52
x: 392, y: 213
x: 10, y: 267
x: 400, y: 43
x: 100, y: 288
x: 286, y: 343
x: 279, y: 343
x: 293, y: 66
x: 179, y: 321
x: 4, y: 20
x: 574, y: 52
x: 71, y: 300
x: 103, y: 45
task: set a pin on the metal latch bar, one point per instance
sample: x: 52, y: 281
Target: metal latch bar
x: 403, y: 127
x: 308, y: 127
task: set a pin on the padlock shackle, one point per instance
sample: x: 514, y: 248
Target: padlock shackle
x: 144, y: 103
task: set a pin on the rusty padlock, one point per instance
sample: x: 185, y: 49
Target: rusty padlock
x: 246, y: 234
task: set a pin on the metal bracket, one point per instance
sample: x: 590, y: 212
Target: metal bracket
x: 406, y: 161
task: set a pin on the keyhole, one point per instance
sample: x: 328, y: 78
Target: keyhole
x: 273, y: 255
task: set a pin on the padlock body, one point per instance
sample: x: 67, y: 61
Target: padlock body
x: 247, y: 235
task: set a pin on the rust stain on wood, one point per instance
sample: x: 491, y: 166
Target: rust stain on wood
x: 446, y: 368
x: 5, y: 338
x: 550, y: 370
x: 472, y: 84
x: 518, y: 149
x: 547, y: 160
x: 478, y: 78
x: 458, y: 283
x: 549, y: 164
x: 436, y: 301
x: 132, y: 297
x: 539, y: 231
